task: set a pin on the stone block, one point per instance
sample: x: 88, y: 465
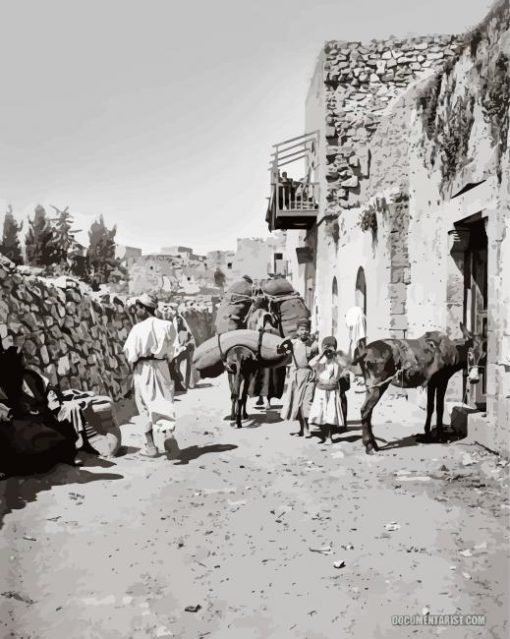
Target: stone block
x: 51, y: 373
x: 63, y: 365
x: 399, y: 321
x: 43, y: 352
x: 350, y: 183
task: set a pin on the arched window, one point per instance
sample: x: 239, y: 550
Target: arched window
x: 334, y: 307
x: 361, y: 290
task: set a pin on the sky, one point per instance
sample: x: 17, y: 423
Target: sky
x: 161, y: 115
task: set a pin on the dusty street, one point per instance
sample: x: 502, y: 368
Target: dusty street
x: 246, y: 528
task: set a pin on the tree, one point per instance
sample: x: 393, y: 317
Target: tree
x: 11, y: 246
x: 64, y: 243
x: 104, y: 266
x: 39, y: 240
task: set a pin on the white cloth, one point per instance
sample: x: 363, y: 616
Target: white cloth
x: 326, y: 406
x: 356, y: 322
x: 154, y: 395
x: 153, y: 337
x: 151, y: 378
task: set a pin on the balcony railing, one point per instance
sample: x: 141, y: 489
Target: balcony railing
x: 293, y: 204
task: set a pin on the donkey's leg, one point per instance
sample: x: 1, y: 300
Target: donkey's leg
x: 441, y: 391
x: 231, y: 382
x: 343, y: 403
x: 431, y: 392
x: 239, y: 412
x: 374, y: 394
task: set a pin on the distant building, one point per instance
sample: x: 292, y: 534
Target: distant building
x: 259, y: 257
x: 127, y: 253
x: 221, y: 263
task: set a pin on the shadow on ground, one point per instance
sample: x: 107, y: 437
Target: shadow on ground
x: 194, y: 452
x: 17, y: 492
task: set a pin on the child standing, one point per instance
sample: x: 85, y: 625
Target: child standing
x: 329, y: 406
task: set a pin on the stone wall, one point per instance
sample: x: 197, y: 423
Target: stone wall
x: 459, y: 166
x: 71, y: 337
x: 362, y: 80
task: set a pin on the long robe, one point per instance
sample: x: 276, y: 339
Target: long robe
x: 326, y: 406
x: 300, y: 381
x: 158, y: 339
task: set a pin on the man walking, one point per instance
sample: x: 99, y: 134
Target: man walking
x: 300, y: 379
x: 149, y: 346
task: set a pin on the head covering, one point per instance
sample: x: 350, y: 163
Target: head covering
x: 305, y: 323
x: 149, y: 301
x: 329, y: 342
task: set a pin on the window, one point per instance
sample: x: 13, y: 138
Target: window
x: 229, y: 266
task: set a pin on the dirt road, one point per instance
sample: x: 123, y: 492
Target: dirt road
x: 247, y: 528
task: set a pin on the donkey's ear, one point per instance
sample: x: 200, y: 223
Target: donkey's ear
x: 465, y: 332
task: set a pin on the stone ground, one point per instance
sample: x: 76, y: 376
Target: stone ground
x: 248, y: 525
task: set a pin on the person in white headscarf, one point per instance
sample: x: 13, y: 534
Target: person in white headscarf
x: 356, y: 322
x: 151, y: 343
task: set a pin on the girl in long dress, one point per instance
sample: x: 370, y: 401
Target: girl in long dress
x: 329, y: 406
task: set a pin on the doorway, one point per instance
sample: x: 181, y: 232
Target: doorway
x: 476, y: 299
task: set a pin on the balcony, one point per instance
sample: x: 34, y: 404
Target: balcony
x: 293, y: 204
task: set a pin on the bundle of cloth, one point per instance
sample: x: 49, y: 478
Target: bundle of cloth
x: 286, y: 303
x: 269, y: 348
x: 32, y: 438
x: 234, y: 306
x: 40, y: 426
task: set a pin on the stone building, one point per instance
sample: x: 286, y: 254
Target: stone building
x: 411, y: 160
x: 171, y: 274
x: 223, y: 263
x: 260, y: 257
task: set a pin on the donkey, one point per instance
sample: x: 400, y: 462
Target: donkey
x: 240, y: 363
x: 268, y: 382
x: 430, y: 360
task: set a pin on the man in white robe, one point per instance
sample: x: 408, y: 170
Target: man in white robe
x: 150, y: 345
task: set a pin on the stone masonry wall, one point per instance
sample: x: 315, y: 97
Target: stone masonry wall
x: 361, y: 81
x: 72, y: 338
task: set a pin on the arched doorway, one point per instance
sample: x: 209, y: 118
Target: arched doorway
x: 334, y: 307
x: 361, y: 290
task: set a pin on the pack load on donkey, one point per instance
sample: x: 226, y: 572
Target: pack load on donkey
x: 285, y: 304
x: 234, y: 306
x: 268, y: 348
x: 282, y: 303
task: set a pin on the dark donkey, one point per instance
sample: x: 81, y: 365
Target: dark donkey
x: 430, y: 360
x: 242, y: 364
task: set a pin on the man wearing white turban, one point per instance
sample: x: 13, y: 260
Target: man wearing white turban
x: 149, y: 346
